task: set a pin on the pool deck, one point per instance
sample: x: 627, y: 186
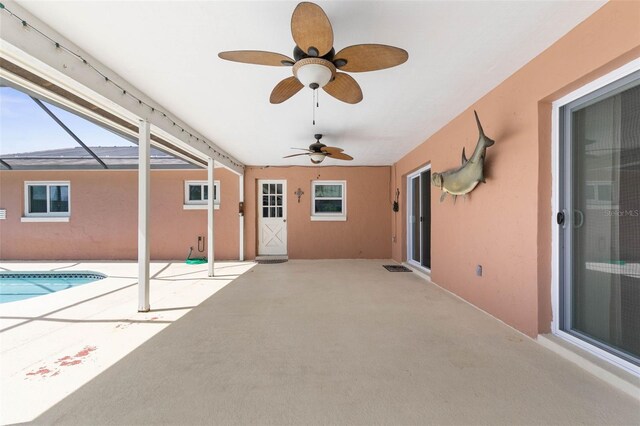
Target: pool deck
x: 53, y: 344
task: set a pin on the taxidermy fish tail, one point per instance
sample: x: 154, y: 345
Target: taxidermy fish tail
x: 483, y: 137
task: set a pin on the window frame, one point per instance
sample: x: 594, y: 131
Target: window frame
x: 47, y: 216
x: 202, y: 203
x: 319, y: 216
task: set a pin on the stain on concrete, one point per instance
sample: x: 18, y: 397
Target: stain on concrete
x: 42, y: 371
x: 65, y: 361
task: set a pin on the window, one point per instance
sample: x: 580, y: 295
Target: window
x: 46, y: 201
x: 329, y: 200
x: 196, y: 194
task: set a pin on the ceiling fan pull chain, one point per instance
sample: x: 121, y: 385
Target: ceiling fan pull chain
x: 313, y: 105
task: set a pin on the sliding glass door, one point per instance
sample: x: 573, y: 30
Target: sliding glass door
x: 419, y: 218
x: 599, y: 219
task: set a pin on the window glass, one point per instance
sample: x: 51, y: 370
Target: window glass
x: 37, y: 199
x: 328, y: 190
x: 195, y: 193
x: 206, y: 192
x: 328, y: 206
x: 59, y: 198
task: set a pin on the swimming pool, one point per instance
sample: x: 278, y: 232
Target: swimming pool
x: 24, y: 285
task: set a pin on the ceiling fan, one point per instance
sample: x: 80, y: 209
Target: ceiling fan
x: 318, y: 151
x: 316, y: 64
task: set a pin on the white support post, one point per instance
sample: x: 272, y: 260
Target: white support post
x: 210, y: 210
x: 241, y: 198
x: 143, y: 215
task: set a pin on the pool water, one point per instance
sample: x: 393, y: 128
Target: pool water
x: 24, y: 285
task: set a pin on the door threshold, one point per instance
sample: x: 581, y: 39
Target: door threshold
x: 278, y: 258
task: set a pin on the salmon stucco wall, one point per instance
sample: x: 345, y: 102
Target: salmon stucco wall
x: 365, y: 234
x: 505, y: 224
x: 104, y: 217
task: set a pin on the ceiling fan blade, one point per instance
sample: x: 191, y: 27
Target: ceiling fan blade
x: 311, y: 29
x: 257, y: 57
x: 340, y: 156
x: 344, y: 88
x: 285, y: 89
x: 370, y: 57
x: 331, y: 149
x: 302, y: 149
x: 296, y: 155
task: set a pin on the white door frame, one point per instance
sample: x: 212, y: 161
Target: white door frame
x: 411, y: 176
x: 279, y: 221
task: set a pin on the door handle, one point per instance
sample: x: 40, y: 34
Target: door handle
x: 284, y: 220
x: 561, y: 218
x: 580, y: 221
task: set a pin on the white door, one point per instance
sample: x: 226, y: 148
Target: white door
x: 272, y: 217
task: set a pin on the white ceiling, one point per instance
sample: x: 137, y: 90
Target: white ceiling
x: 458, y: 51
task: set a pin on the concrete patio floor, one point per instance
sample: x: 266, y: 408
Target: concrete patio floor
x: 341, y: 342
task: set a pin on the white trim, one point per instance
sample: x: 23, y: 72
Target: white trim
x: 320, y: 218
x: 45, y: 219
x: 329, y: 217
x: 613, y: 76
x: 199, y: 207
x: 48, y: 214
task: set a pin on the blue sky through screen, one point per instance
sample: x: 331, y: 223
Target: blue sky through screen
x: 25, y: 127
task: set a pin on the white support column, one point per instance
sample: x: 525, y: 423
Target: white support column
x: 210, y: 210
x: 143, y: 215
x: 241, y: 198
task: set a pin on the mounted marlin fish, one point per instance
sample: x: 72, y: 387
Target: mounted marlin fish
x: 465, y: 178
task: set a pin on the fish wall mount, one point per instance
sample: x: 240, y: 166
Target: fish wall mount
x: 464, y: 179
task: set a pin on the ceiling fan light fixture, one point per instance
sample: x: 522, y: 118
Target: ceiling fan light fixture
x: 314, y: 72
x: 317, y: 157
